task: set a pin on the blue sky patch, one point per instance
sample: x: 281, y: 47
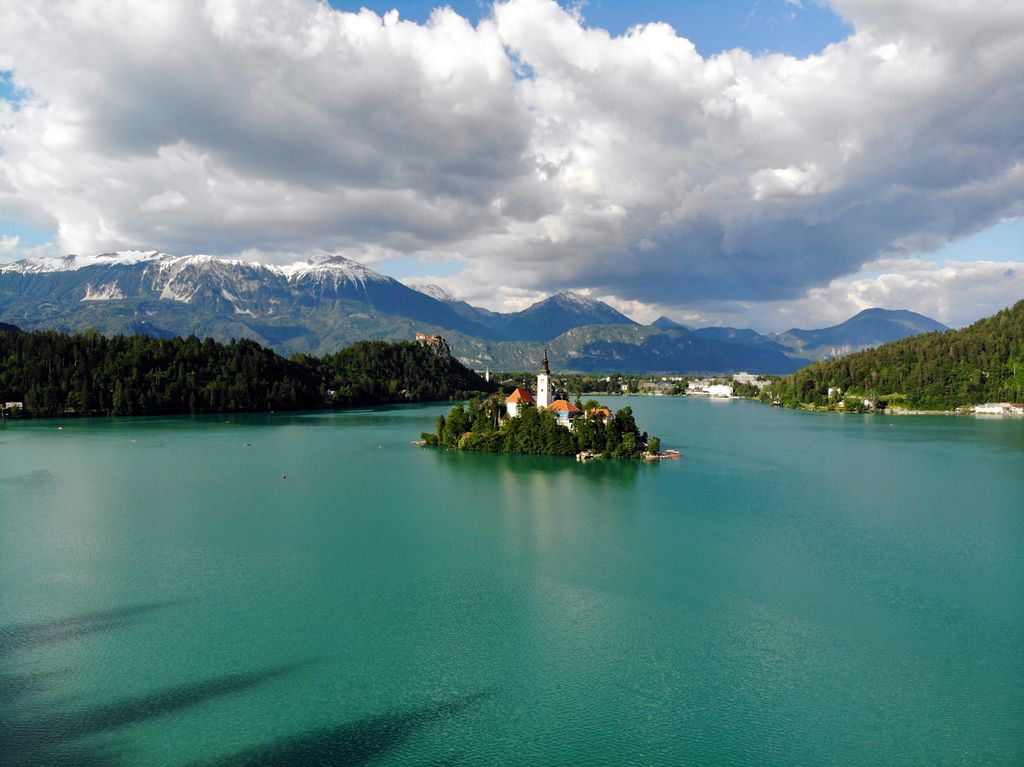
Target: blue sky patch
x: 8, y: 90
x: 758, y: 26
x: 1002, y: 242
x: 30, y: 235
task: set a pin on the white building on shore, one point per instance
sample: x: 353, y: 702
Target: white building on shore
x: 999, y: 408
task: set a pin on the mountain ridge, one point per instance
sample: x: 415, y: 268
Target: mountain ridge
x: 318, y: 305
x: 866, y: 329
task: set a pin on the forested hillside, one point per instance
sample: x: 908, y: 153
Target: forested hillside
x: 89, y: 374
x: 378, y: 372
x: 935, y: 371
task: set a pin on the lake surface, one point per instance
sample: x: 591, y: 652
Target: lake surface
x: 799, y: 589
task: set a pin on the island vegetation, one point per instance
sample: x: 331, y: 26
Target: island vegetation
x: 59, y: 374
x: 983, y: 362
x: 480, y: 426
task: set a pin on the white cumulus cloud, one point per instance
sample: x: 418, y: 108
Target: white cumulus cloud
x: 539, y: 152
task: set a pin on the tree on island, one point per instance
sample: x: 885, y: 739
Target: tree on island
x: 478, y: 427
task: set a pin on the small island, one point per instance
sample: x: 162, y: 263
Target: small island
x: 539, y: 424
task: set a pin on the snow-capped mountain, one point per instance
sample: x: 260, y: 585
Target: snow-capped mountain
x: 322, y: 304
x: 312, y: 305
x: 559, y: 313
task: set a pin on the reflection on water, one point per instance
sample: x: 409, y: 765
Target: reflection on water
x: 542, y: 472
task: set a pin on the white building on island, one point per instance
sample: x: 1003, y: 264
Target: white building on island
x: 544, y: 383
x: 519, y: 397
x: 564, y: 410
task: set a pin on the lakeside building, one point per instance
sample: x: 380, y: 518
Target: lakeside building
x: 999, y: 408
x: 657, y: 387
x: 707, y: 387
x: 698, y: 386
x: 753, y: 379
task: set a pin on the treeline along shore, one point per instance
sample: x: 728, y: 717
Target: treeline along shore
x: 47, y: 373
x: 983, y: 362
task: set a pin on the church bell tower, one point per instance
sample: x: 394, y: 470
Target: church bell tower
x: 544, y: 383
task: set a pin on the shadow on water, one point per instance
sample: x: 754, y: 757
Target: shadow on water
x: 351, y: 744
x: 40, y: 478
x: 25, y: 636
x: 50, y: 738
x: 34, y: 732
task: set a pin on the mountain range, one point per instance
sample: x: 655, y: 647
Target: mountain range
x: 320, y: 305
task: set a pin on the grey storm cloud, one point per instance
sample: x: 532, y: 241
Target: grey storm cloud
x: 630, y: 166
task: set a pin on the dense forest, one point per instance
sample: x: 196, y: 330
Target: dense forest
x: 934, y: 371
x: 56, y: 374
x: 481, y: 426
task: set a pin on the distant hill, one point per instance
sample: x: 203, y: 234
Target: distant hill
x: 541, y: 321
x: 939, y: 370
x: 553, y: 316
x: 5, y: 328
x: 868, y: 328
x: 664, y: 323
x: 627, y: 349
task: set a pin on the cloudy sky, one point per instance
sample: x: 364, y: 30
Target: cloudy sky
x: 765, y: 163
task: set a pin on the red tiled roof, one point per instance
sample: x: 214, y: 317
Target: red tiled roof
x: 563, y: 405
x: 521, y: 395
x: 600, y: 411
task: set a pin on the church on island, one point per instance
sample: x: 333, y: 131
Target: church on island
x: 564, y: 410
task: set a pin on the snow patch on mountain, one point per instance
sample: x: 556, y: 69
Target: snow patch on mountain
x: 334, y: 270
x: 108, y: 292
x: 432, y: 290
x: 72, y: 263
x: 181, y: 293
x: 568, y: 297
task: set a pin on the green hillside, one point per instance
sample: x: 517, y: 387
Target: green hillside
x: 90, y: 374
x: 934, y: 371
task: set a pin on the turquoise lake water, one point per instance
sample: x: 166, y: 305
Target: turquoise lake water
x: 798, y: 589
